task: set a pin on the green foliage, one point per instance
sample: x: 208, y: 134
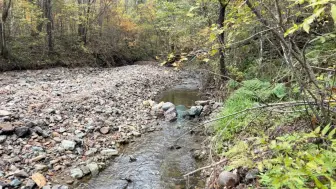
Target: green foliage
x: 297, y: 162
x: 250, y: 93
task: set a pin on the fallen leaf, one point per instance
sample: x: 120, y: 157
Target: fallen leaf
x: 39, y: 179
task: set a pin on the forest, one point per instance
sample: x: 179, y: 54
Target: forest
x: 81, y: 86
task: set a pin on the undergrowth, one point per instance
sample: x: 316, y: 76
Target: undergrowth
x: 294, y: 158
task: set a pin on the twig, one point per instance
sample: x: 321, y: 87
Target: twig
x: 206, y: 167
x: 325, y: 69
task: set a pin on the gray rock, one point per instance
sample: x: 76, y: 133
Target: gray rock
x: 38, y: 130
x: 68, y: 144
x: 206, y: 110
x: 227, y: 179
x: 94, y: 168
x: 41, y: 167
x: 4, y: 113
x: 157, y: 109
x: 170, y: 115
x: 76, y: 173
x: 167, y: 105
x: 2, y: 138
x: 64, y: 187
x: 46, y: 187
x: 21, y: 174
x: 56, y: 186
x: 37, y: 149
x: 22, y: 131
x: 85, y: 170
x: 15, y: 183
x: 91, y: 152
x: 251, y: 174
x: 30, y: 184
x: 195, y: 110
x: 109, y: 152
x: 105, y: 130
x: 6, y: 128
x: 202, y: 102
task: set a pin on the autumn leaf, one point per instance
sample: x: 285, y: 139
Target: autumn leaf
x: 39, y: 179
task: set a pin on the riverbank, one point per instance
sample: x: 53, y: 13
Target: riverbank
x: 69, y: 122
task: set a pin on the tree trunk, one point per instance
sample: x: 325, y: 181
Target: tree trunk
x: 48, y: 15
x: 221, y: 19
x: 3, y: 45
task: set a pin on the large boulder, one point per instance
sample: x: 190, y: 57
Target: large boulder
x: 195, y: 110
x: 167, y: 105
x: 182, y: 111
x: 227, y: 179
x: 170, y: 114
x: 157, y: 109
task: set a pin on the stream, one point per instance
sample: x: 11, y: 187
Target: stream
x: 150, y: 162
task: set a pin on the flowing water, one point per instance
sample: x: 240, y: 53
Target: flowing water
x: 157, y: 164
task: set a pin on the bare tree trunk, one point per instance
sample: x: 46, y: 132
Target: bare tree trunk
x: 221, y: 19
x: 48, y: 15
x: 3, y: 45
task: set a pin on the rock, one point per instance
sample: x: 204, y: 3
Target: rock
x: 22, y: 131
x: 21, y: 174
x: 38, y: 130
x: 195, y: 110
x: 37, y: 149
x: 157, y: 109
x: 206, y: 110
x: 15, y: 183
x: 6, y: 128
x: 181, y: 111
x: 94, y: 168
x: 76, y: 173
x: 38, y: 158
x: 109, y: 152
x: 105, y: 130
x: 132, y: 158
x: 64, y: 187
x: 85, y: 170
x: 30, y: 184
x: 170, y: 115
x: 217, y: 105
x: 136, y: 133
x: 227, y: 179
x: 68, y: 144
x: 56, y: 186
x: 4, y: 113
x: 46, y: 187
x: 41, y: 167
x: 91, y: 152
x: 167, y: 105
x: 2, y: 138
x: 251, y: 175
x: 202, y: 102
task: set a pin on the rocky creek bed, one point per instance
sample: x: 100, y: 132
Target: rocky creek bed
x: 60, y: 125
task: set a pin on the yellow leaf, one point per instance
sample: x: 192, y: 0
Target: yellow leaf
x: 39, y: 179
x: 333, y: 12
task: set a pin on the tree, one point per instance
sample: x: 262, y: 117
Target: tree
x: 5, y: 11
x: 48, y: 15
x: 222, y: 8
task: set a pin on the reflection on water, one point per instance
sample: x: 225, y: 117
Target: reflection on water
x: 158, y: 166
x: 181, y: 97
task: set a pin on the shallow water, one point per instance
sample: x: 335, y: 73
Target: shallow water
x: 157, y: 165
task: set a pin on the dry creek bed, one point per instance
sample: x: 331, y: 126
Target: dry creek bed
x: 69, y: 122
